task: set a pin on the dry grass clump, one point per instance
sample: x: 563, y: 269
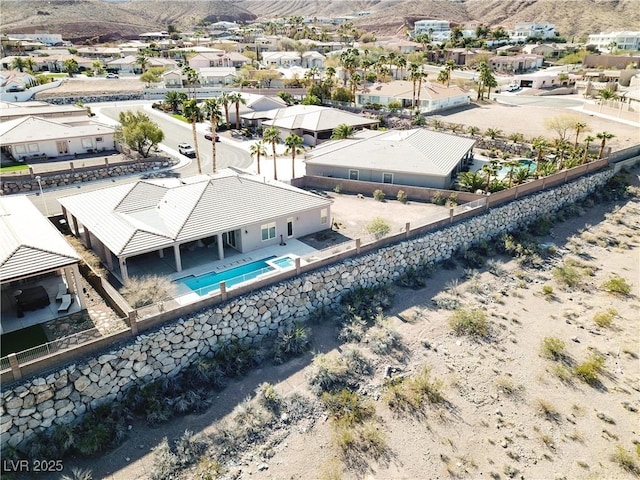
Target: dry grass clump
x: 605, y: 319
x: 625, y: 460
x: 471, y: 322
x: 141, y: 291
x: 617, y: 285
x: 548, y: 410
x: 411, y: 394
x: 571, y: 273
x: 589, y: 370
x: 552, y: 348
x: 88, y: 257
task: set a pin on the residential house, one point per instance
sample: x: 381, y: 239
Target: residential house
x: 547, y: 50
x: 546, y: 79
x: 100, y: 53
x: 255, y: 108
x: 620, y: 62
x: 281, y: 59
x: 173, y: 78
x: 130, y: 65
x: 55, y: 62
x: 166, y: 219
x: 462, y: 56
x: 515, y: 63
x: 314, y: 123
x: 431, y: 27
x: 432, y: 96
x: 37, y: 267
x: 15, y: 81
x: 41, y: 37
x: 418, y: 157
x: 610, y: 41
x: 217, y: 76
x: 524, y: 31
x: 28, y: 137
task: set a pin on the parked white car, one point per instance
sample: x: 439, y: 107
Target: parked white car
x: 186, y: 150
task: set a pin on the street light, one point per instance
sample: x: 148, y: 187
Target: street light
x: 44, y: 200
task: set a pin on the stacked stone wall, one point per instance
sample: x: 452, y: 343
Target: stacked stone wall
x: 65, y: 395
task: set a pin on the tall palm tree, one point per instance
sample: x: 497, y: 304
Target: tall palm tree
x: 212, y: 109
x: 341, y: 132
x: 413, y: 76
x: 30, y: 64
x: 539, y: 145
x: 237, y: 99
x: 490, y: 169
x: 422, y: 75
x: 194, y: 114
x: 294, y: 145
x: 272, y: 135
x: 587, y: 140
x: 18, y: 64
x: 174, y: 100
x: 258, y: 150
x: 225, y: 100
x: 143, y: 61
x: 604, y: 136
x: 354, y: 83
x: 401, y: 63
x: 470, y: 181
x: 578, y: 127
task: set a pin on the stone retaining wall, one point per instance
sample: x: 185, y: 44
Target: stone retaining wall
x: 65, y: 395
x: 27, y: 184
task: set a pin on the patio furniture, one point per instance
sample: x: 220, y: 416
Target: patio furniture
x: 62, y: 290
x: 66, y: 303
x: 32, y: 298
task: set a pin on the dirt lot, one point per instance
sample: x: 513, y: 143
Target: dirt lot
x: 93, y: 86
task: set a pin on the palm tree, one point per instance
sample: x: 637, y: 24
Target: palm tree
x: 421, y: 76
x: 588, y: 139
x: 511, y: 164
x: 272, y: 135
x: 604, y: 136
x: 225, y: 100
x: 445, y: 74
x: 473, y: 130
x: 194, y: 114
x: 341, y: 132
x: 175, y: 99
x: 516, y: 137
x: 30, y: 64
x: 354, y: 82
x: 258, y: 150
x: 471, y: 181
x: 492, y: 133
x: 18, y: 64
x: 578, y: 127
x: 414, y: 70
x: 294, y: 146
x: 539, y: 145
x: 192, y: 78
x: 237, y: 99
x: 401, y: 62
x: 143, y: 61
x: 490, y: 169
x: 212, y: 109
x: 605, y: 95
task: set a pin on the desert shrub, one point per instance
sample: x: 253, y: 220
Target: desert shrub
x: 236, y: 358
x: 165, y: 462
x: 412, y: 278
x: 378, y: 195
x: 567, y: 275
x: 547, y: 290
x: 78, y: 474
x: 411, y: 394
x: 333, y: 371
x: 190, y: 447
x: 365, y: 303
x: 617, y: 286
x: 147, y: 290
x: 292, y: 342
x: 402, y: 196
x: 384, y: 340
x: 337, y: 188
x: 347, y: 408
x: 471, y: 322
x: 452, y: 201
x: 446, y: 301
x: 208, y: 469
x: 605, y: 319
x: 547, y: 409
x: 472, y: 258
x: 438, y: 199
x: 378, y: 227
x: 542, y: 226
x: 268, y: 397
x: 625, y: 460
x: 552, y: 348
x: 589, y: 370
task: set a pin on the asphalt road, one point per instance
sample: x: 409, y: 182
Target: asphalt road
x: 175, y: 132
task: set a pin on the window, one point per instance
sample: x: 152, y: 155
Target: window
x: 324, y: 218
x: 354, y: 175
x: 387, y: 178
x: 99, y: 139
x: 87, y: 143
x: 33, y: 147
x: 289, y: 227
x: 268, y: 231
x: 19, y: 149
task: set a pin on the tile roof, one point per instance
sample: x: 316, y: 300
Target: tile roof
x: 152, y: 214
x: 417, y: 151
x: 29, y: 243
x: 34, y: 129
x: 315, y: 118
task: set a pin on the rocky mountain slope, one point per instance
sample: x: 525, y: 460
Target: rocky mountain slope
x: 81, y: 19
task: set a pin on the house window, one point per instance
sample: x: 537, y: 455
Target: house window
x: 99, y: 139
x: 19, y: 149
x: 33, y: 147
x: 387, y: 178
x: 354, y: 175
x: 268, y: 231
x: 87, y: 143
x: 324, y: 218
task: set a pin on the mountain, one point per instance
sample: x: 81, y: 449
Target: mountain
x: 104, y: 20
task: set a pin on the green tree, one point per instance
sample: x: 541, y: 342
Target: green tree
x: 341, y: 132
x: 193, y: 113
x: 258, y: 150
x: 539, y: 145
x: 342, y: 95
x: 587, y: 140
x: 143, y: 61
x: 211, y: 109
x: 138, y: 132
x: 192, y: 79
x: 152, y: 75
x: 236, y: 98
x: 471, y: 181
x: 225, y: 100
x: 512, y: 165
x: 18, y: 63
x: 492, y: 133
x: 473, y: 130
x: 603, y: 136
x: 272, y: 135
x: 490, y: 169
x: 174, y: 100
x: 354, y: 81
x: 311, y: 100
x: 445, y: 74
x: 98, y: 68
x: 287, y: 97
x: 70, y: 66
x: 294, y: 145
x: 578, y: 127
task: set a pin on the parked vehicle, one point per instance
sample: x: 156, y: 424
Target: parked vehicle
x: 513, y: 87
x: 111, y: 75
x: 208, y: 136
x: 186, y: 150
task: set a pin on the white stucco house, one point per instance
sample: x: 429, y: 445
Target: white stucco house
x: 231, y: 211
x: 29, y: 137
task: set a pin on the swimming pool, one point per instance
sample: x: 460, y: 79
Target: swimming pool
x: 210, y: 282
x: 524, y: 163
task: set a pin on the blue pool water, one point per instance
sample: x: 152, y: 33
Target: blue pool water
x: 210, y: 282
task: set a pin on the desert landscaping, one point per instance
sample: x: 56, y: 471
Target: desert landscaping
x: 516, y: 359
